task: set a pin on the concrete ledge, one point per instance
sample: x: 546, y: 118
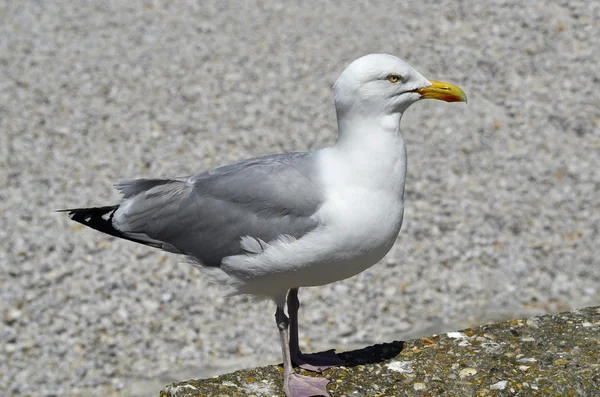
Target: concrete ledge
x: 552, y: 355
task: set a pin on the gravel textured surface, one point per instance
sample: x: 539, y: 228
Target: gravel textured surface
x: 502, y: 199
x: 547, y: 356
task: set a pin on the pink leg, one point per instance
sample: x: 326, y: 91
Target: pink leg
x: 316, y: 362
x: 295, y: 385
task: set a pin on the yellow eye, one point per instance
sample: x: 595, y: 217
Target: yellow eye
x: 394, y: 78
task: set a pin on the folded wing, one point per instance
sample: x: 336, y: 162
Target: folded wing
x: 207, y: 215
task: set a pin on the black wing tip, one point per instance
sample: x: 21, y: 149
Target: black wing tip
x: 95, y: 218
x: 104, y: 209
x: 90, y: 216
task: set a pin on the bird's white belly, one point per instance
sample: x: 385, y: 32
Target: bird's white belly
x: 356, y: 232
x: 360, y: 231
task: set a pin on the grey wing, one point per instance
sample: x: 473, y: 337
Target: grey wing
x: 207, y: 215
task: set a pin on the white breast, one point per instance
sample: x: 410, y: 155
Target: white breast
x: 364, y: 206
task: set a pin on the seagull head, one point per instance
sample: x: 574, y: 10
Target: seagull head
x: 381, y: 84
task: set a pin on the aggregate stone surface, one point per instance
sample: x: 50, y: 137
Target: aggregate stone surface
x: 552, y: 355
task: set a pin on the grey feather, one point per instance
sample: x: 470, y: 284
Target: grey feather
x: 252, y: 245
x: 207, y: 215
x: 132, y: 187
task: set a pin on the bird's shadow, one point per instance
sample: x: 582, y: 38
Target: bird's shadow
x: 372, y: 354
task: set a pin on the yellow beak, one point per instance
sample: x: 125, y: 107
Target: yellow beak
x: 443, y: 91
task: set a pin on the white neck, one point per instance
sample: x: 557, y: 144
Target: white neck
x: 356, y: 129
x: 371, y: 152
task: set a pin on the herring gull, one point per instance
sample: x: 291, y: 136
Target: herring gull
x: 270, y: 225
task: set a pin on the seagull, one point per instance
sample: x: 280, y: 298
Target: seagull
x: 268, y: 226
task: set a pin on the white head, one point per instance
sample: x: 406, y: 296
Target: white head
x: 381, y: 84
